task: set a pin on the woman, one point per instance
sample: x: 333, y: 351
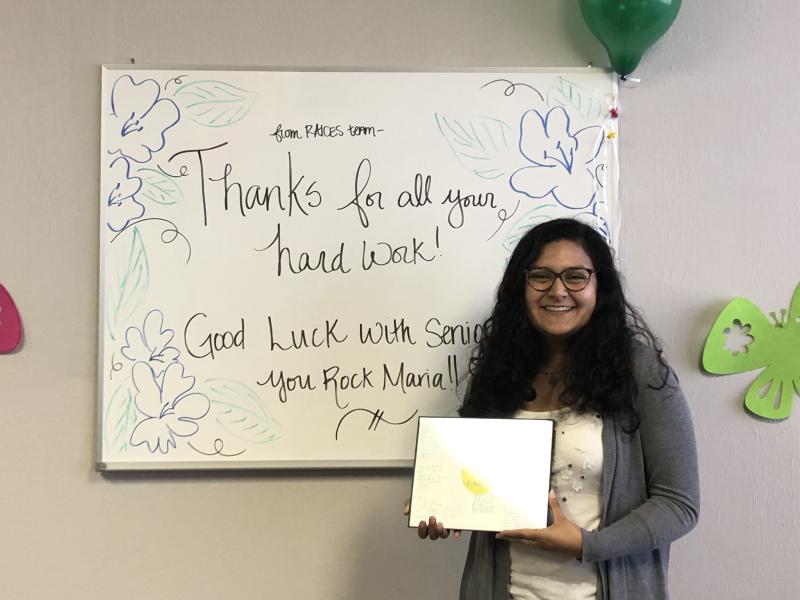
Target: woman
x: 563, y: 343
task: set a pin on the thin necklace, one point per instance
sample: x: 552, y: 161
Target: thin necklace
x: 553, y: 377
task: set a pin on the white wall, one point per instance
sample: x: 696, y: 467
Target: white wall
x: 710, y: 210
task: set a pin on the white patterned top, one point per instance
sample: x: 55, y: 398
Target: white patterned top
x: 576, y: 479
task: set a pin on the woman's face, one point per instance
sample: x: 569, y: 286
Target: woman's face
x: 559, y: 312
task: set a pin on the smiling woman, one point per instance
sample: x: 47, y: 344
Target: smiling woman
x: 561, y: 293
x: 562, y: 343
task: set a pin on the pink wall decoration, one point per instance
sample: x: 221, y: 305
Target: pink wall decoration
x: 10, y: 323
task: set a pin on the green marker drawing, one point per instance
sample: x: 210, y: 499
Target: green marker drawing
x: 743, y: 339
x: 531, y: 218
x: 214, y: 103
x: 483, y: 145
x: 240, y: 411
x: 127, y: 279
x: 566, y: 93
x: 120, y: 418
x: 160, y: 187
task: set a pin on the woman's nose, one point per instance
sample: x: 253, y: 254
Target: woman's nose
x: 558, y: 289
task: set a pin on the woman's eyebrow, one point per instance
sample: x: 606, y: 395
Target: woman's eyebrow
x: 564, y: 269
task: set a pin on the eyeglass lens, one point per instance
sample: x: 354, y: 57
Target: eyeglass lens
x: 573, y: 279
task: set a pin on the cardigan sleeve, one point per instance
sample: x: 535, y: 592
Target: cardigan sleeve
x: 672, y: 503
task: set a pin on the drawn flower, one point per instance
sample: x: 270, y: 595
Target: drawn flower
x: 150, y: 344
x: 561, y: 161
x: 142, y: 118
x: 737, y: 337
x: 122, y: 206
x: 171, y: 411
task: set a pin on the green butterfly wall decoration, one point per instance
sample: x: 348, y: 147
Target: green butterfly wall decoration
x: 743, y: 339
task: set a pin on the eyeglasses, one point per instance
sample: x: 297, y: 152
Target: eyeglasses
x: 575, y: 279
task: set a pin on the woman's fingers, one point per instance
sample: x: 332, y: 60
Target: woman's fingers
x: 407, y: 507
x: 555, y: 507
x: 562, y: 536
x: 434, y: 530
x: 422, y: 530
x: 518, y: 535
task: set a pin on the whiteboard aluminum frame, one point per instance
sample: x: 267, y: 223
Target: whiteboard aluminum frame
x: 113, y: 465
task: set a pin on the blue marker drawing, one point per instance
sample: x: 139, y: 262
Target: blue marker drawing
x: 560, y: 162
x: 171, y: 409
x: 218, y: 449
x: 158, y: 403
x: 121, y: 205
x: 168, y: 235
x: 141, y: 118
x: 139, y: 121
x: 511, y: 87
x: 151, y: 343
x: 548, y: 158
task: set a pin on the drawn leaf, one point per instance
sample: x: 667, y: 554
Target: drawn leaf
x: 120, y: 418
x: 159, y: 187
x: 535, y: 216
x: 568, y: 94
x: 483, y: 145
x: 127, y: 278
x: 214, y: 103
x: 239, y: 411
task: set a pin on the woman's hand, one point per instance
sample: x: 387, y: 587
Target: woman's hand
x: 430, y: 529
x: 562, y: 536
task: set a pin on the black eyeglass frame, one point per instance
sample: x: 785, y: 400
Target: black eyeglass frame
x: 559, y: 276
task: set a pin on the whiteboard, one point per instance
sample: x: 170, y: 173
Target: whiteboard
x: 295, y: 265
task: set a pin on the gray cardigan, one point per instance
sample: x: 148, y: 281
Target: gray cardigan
x: 651, y: 497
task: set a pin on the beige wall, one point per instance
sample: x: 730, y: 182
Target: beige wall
x: 710, y: 210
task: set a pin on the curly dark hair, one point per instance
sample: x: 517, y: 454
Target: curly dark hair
x: 512, y: 351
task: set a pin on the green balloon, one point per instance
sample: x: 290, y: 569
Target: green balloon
x: 628, y: 27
